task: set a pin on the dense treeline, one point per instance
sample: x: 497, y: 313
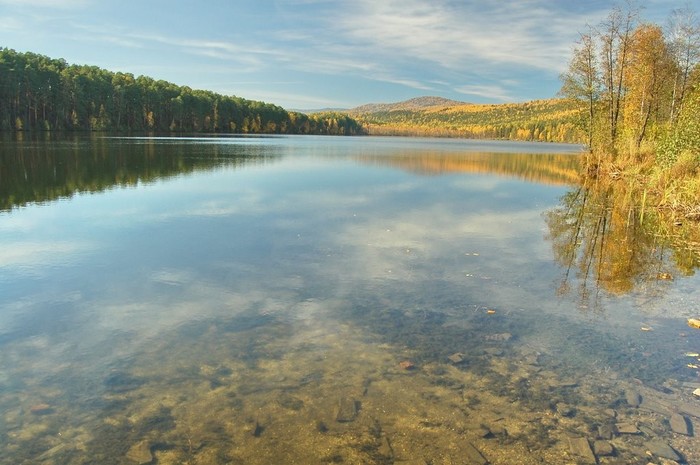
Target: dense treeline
x: 542, y: 120
x: 41, y: 93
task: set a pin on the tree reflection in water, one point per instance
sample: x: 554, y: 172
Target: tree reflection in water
x: 607, y: 240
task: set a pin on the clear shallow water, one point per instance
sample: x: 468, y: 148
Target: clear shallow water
x: 251, y: 300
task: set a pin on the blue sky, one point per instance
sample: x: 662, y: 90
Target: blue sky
x: 306, y: 54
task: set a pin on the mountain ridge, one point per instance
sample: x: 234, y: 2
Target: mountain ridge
x: 413, y: 104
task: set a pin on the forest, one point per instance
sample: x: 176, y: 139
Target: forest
x: 38, y: 93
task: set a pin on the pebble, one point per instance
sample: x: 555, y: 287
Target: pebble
x: 407, y: 365
x: 456, y: 358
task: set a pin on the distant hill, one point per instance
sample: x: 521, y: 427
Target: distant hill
x: 319, y: 110
x: 418, y: 103
x: 553, y: 120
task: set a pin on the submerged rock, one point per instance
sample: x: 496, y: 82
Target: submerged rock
x: 603, y: 448
x: 680, y: 424
x: 606, y: 431
x: 347, y: 410
x: 140, y: 453
x: 500, y: 337
x: 627, y: 428
x: 41, y: 409
x: 407, y: 365
x: 474, y: 456
x: 565, y: 409
x: 258, y: 430
x: 633, y: 398
x: 581, y: 448
x: 661, y: 449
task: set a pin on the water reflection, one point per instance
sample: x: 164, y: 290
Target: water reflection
x: 604, y: 240
x: 545, y: 168
x: 48, y: 167
x: 324, y: 308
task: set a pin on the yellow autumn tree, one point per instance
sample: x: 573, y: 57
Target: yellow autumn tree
x: 649, y: 79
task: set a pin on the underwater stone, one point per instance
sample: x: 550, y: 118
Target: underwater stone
x: 347, y: 410
x: 603, y: 448
x: 140, y: 453
x: 565, y: 409
x: 474, y: 456
x: 663, y: 450
x: 680, y: 424
x: 689, y: 409
x: 633, y: 398
x: 385, y: 448
x: 656, y: 407
x: 500, y: 337
x: 627, y: 428
x: 606, y: 431
x: 581, y: 448
x: 41, y: 409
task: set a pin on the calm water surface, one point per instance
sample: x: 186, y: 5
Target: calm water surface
x: 326, y: 300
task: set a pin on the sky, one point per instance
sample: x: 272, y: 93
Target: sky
x: 313, y: 54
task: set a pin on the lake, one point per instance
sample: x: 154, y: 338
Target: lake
x: 315, y: 300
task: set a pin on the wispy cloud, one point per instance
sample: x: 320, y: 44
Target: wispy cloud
x: 10, y: 24
x: 490, y: 91
x: 46, y: 3
x: 459, y: 35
